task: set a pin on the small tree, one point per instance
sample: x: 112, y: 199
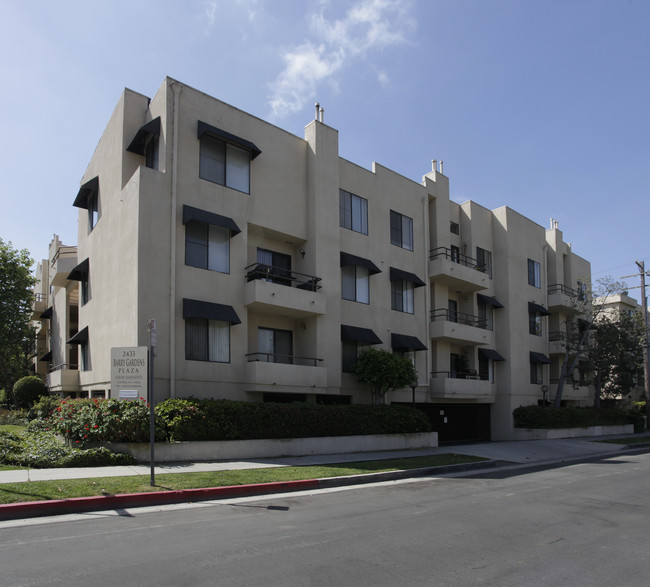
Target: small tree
x: 28, y: 390
x: 384, y: 372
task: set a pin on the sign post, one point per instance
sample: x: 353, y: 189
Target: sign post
x: 152, y: 417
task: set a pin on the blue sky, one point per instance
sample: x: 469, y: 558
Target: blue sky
x: 541, y: 106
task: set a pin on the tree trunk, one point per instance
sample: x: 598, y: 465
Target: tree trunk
x: 574, y: 363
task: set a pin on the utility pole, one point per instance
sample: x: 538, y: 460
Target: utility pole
x: 646, y: 339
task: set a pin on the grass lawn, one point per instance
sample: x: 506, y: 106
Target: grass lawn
x: 11, y: 428
x: 630, y: 441
x: 68, y: 488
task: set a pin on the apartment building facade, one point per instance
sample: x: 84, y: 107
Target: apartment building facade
x: 269, y: 262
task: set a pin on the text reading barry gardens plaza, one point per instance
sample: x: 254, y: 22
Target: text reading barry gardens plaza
x: 129, y: 372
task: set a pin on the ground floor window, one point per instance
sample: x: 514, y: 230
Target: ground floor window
x: 207, y: 340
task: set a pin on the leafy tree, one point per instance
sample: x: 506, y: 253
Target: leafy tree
x: 16, y: 335
x: 384, y: 372
x: 581, y: 317
x: 616, y: 354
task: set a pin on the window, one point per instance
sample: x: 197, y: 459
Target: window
x: 151, y: 152
x: 534, y: 276
x: 275, y: 346
x: 455, y: 254
x: 484, y: 261
x: 207, y: 340
x: 84, y: 282
x: 93, y: 210
x: 536, y: 373
x: 485, y: 314
x: 401, y: 230
x: 452, y: 307
x: 207, y: 246
x: 485, y: 370
x: 454, y: 227
x: 84, y: 353
x: 582, y: 291
x: 353, y: 212
x: 402, y: 298
x: 350, y: 351
x: 535, y: 323
x: 273, y: 267
x: 355, y: 283
x: 225, y: 164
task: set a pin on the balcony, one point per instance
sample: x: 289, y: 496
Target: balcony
x: 64, y: 261
x: 39, y: 305
x: 573, y: 390
x: 459, y: 386
x: 457, y: 327
x: 63, y: 378
x: 556, y: 343
x: 284, y: 373
x: 459, y: 272
x: 561, y: 297
x: 278, y: 291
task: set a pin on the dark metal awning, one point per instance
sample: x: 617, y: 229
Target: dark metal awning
x: 81, y: 336
x: 359, y: 334
x: 205, y: 128
x: 397, y: 274
x: 46, y: 314
x: 80, y: 272
x: 190, y: 213
x: 348, y: 259
x: 210, y: 311
x: 404, y: 341
x: 539, y: 358
x: 144, y: 134
x: 490, y: 354
x: 85, y: 192
x: 46, y: 357
x: 489, y: 300
x: 533, y: 307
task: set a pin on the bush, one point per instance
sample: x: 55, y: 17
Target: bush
x: 550, y: 417
x: 13, y: 417
x: 28, y: 390
x: 40, y: 449
x: 5, y: 400
x: 44, y: 407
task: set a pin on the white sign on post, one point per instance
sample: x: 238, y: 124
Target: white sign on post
x: 129, y: 370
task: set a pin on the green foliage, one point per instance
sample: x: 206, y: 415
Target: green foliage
x: 16, y: 335
x: 40, y: 449
x: 44, y: 407
x: 384, y: 371
x: 92, y: 420
x: 548, y: 417
x: 28, y: 390
x: 13, y: 417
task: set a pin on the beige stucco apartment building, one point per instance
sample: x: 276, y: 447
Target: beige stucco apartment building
x: 268, y: 262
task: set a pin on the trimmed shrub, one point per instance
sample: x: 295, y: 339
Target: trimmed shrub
x: 28, y: 390
x: 13, y: 417
x: 44, y: 407
x: 549, y: 417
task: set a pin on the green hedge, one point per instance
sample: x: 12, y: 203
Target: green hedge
x: 549, y: 417
x: 83, y: 421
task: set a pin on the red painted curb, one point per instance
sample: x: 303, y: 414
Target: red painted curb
x: 32, y: 509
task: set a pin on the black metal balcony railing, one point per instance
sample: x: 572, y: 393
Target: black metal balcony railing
x: 460, y: 318
x: 558, y: 288
x: 460, y: 258
x: 557, y: 336
x: 282, y: 276
x: 460, y: 375
x: 283, y: 359
x: 64, y: 367
x: 63, y: 251
x: 40, y: 297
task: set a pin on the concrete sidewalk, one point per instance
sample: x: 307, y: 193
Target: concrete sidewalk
x: 513, y: 453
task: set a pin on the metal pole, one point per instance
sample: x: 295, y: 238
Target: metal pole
x: 152, y: 419
x: 646, y: 343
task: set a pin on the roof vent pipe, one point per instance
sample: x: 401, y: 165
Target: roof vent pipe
x: 441, y: 166
x: 434, y: 164
x: 322, y: 115
x: 317, y: 105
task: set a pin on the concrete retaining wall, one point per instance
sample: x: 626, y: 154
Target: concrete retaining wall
x: 166, y: 452
x: 552, y: 433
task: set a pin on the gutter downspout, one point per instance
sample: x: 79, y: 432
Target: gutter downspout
x: 176, y: 89
x: 427, y: 296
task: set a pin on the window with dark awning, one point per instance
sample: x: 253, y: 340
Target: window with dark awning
x: 209, y: 310
x: 144, y: 134
x: 190, y: 213
x: 539, y: 358
x: 490, y: 354
x: 397, y: 274
x: 489, y: 300
x: 80, y: 272
x: 348, y: 259
x: 533, y: 307
x: 87, y: 190
x: 46, y: 357
x: 359, y: 334
x: 81, y: 336
x: 404, y: 341
x: 47, y: 313
x: 204, y: 128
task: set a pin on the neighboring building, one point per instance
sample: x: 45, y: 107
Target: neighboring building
x: 269, y: 262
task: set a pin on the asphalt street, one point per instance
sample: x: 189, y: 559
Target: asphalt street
x: 562, y: 524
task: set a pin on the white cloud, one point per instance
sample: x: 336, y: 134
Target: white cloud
x: 210, y: 11
x: 383, y: 79
x: 367, y: 26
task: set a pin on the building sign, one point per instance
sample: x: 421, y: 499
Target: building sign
x: 129, y: 368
